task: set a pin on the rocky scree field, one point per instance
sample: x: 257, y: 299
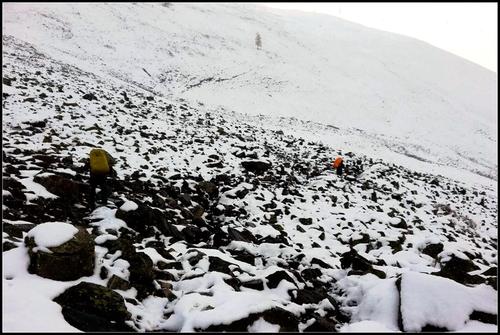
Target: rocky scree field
x: 217, y: 224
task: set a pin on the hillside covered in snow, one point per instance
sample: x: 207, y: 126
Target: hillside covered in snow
x: 222, y: 219
x: 407, y: 98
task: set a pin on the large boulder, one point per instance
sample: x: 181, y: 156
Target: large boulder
x: 275, y: 278
x: 66, y: 188
x: 141, y: 269
x: 358, y: 264
x: 220, y: 265
x: 142, y: 274
x: 68, y: 261
x: 310, y: 295
x: 458, y: 269
x: 286, y: 321
x: 257, y: 167
x: 14, y: 187
x: 118, y: 283
x: 243, y: 235
x: 322, y: 324
x: 144, y: 218
x: 433, y: 249
x: 92, y: 307
x: 209, y: 188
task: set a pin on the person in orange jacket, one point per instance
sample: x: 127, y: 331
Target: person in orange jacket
x: 338, y: 164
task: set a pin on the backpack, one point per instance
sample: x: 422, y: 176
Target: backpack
x: 99, y: 164
x: 337, y: 162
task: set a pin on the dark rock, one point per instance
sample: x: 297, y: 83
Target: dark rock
x: 358, y: 264
x: 401, y: 224
x: 257, y: 167
x: 70, y: 104
x: 315, y: 245
x: 280, y: 239
x: 141, y: 269
x: 13, y: 230
x: 171, y: 265
x: 219, y: 238
x: 457, y: 269
x: 493, y: 271
x: 220, y: 265
x: 235, y: 283
x: 244, y: 235
x: 194, y: 259
x: 69, y: 261
x: 164, y: 275
x: 322, y: 324
x: 242, y: 193
x: 433, y: 249
x: 144, y: 218
x: 160, y: 248
x: 305, y: 221
x: 103, y: 273
x: 431, y: 328
x: 198, y: 212
x: 14, y: 187
x: 165, y: 291
x: 7, y: 245
x: 185, y: 199
x: 7, y: 81
x: 89, y: 96
x: 117, y: 283
x: 67, y: 189
x: 311, y: 274
x: 92, y: 307
x: 484, y: 317
x: 287, y: 321
x: 365, y: 238
x: 192, y: 234
x: 142, y: 275
x: 310, y: 296
x: 90, y: 322
x: 275, y: 278
x: 38, y: 124
x: 215, y: 165
x: 209, y: 188
x: 176, y: 176
x: 125, y: 244
x: 320, y: 263
x: 255, y: 284
x: 243, y: 256
x: 434, y: 182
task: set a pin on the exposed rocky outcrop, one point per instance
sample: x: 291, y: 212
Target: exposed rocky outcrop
x: 68, y: 261
x: 92, y: 307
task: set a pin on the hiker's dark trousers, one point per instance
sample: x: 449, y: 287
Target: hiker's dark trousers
x: 98, y: 180
x: 340, y: 169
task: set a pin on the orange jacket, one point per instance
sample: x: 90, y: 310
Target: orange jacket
x: 337, y: 162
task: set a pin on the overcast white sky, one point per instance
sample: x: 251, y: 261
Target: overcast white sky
x: 468, y: 30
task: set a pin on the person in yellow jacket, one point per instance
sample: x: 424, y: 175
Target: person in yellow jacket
x: 101, y: 166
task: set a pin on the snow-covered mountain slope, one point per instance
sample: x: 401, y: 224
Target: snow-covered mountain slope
x: 219, y: 223
x: 408, y: 98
